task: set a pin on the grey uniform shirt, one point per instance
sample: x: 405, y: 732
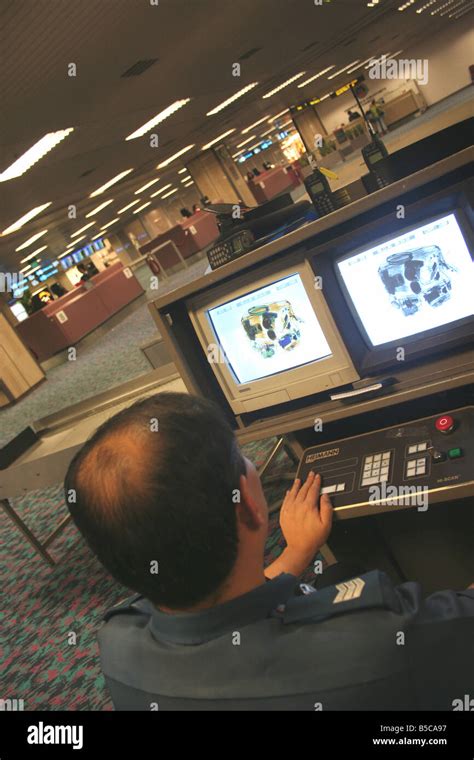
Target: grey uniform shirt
x: 365, y: 644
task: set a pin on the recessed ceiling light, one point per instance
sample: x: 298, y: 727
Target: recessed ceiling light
x: 145, y: 187
x: 99, y: 208
x: 97, y: 236
x: 86, y: 227
x: 185, y: 179
x: 316, y: 76
x: 247, y: 129
x: 25, y: 269
x: 378, y: 60
x: 140, y: 208
x: 353, y: 63
x: 359, y: 65
x: 25, y: 218
x: 181, y: 171
x: 73, y: 245
x: 125, y: 208
x: 166, y: 195
x: 272, y: 118
x: 217, y: 139
x: 249, y: 139
x: 158, y: 118
x: 109, y: 224
x: 34, y: 154
x: 230, y: 100
x: 188, y: 184
x: 284, y: 84
x: 161, y: 190
x: 175, y: 156
x: 267, y: 131
x: 111, y: 182
x: 31, y: 240
x: 32, y: 255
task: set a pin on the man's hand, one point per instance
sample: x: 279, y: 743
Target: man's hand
x: 305, y: 522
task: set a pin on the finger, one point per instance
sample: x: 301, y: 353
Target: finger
x: 314, y: 491
x: 307, y: 485
x: 326, y: 511
x: 295, y: 488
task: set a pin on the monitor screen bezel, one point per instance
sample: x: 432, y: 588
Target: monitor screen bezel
x: 338, y: 362
x: 409, y: 340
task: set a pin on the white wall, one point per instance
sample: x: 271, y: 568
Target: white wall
x: 449, y: 55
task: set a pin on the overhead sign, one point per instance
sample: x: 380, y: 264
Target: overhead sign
x: 345, y: 87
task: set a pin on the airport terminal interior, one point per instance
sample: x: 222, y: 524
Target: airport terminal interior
x: 266, y: 203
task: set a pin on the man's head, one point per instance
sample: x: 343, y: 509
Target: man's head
x: 163, y: 486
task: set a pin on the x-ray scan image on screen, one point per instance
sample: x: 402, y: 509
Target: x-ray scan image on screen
x: 269, y: 330
x: 412, y: 283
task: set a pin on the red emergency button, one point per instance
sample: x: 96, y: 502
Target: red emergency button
x: 444, y: 424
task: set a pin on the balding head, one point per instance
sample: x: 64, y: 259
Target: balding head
x: 152, y: 490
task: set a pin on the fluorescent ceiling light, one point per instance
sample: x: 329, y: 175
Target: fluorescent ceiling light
x: 25, y: 269
x: 35, y: 253
x: 158, y: 118
x: 35, y: 270
x: 148, y: 184
x: 230, y: 100
x: 86, y: 227
x: 360, y: 64
x: 62, y: 255
x: 140, y: 208
x: 73, y: 245
x: 111, y: 182
x: 97, y: 236
x: 267, y: 131
x: 290, y: 121
x: 249, y: 139
x: 316, y: 76
x: 247, y: 129
x: 161, y: 190
x: 188, y: 184
x: 284, y: 84
x: 125, y: 208
x: 109, y: 224
x: 217, y: 139
x: 328, y: 95
x: 166, y: 195
x: 377, y: 60
x: 185, y: 179
x: 26, y: 218
x: 353, y: 63
x: 256, y: 145
x: 272, y: 118
x: 31, y: 240
x: 30, y: 256
x: 175, y: 155
x: 234, y: 155
x: 99, y: 208
x: 34, y: 154
x: 181, y: 171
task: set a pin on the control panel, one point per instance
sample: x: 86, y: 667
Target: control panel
x: 415, y: 464
x: 228, y: 250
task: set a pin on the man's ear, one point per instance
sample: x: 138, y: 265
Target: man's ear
x: 248, y: 509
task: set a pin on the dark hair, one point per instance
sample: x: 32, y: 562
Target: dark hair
x: 155, y: 484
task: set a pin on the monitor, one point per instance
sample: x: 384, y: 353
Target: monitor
x: 270, y: 338
x: 404, y: 287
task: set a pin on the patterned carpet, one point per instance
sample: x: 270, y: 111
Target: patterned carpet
x: 51, y: 615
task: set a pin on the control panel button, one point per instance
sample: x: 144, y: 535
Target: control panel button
x: 444, y: 424
x: 437, y: 456
x: 455, y: 453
